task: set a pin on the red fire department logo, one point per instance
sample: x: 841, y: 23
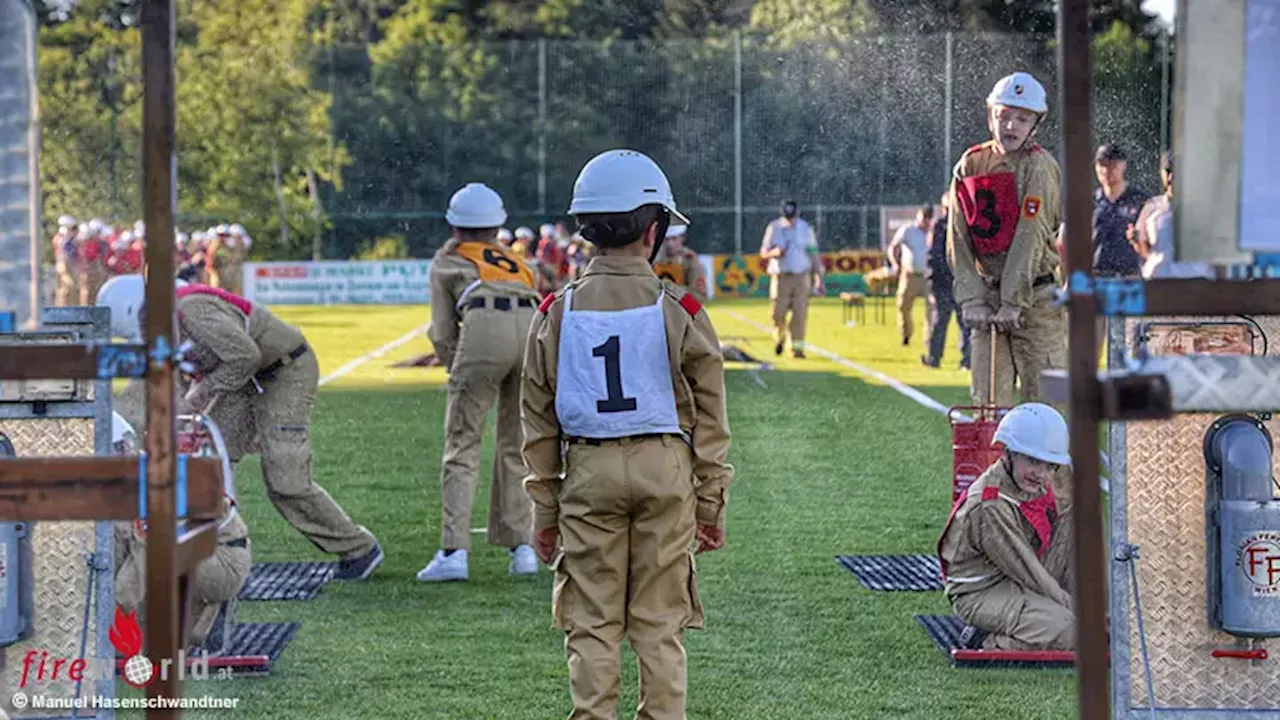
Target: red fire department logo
x: 1259, y: 560
x: 1031, y: 207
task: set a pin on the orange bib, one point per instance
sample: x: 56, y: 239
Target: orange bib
x: 673, y: 271
x: 496, y: 264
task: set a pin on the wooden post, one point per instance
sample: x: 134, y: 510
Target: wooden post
x: 1075, y: 68
x: 166, y: 605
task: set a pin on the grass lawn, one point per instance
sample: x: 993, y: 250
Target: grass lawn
x: 828, y: 462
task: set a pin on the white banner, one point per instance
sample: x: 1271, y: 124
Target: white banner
x: 339, y: 282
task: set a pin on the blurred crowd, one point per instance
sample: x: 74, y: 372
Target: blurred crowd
x: 556, y: 255
x: 87, y: 254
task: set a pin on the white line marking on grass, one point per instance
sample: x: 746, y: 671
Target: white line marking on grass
x: 345, y: 369
x: 894, y: 383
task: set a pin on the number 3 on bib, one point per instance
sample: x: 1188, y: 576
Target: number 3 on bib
x: 611, y: 351
x: 990, y: 207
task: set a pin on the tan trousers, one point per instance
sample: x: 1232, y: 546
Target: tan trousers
x: 218, y: 578
x: 68, y: 287
x: 1021, y: 355
x: 282, y: 415
x: 486, y: 366
x: 1019, y: 619
x: 910, y: 287
x: 91, y: 279
x: 627, y: 569
x: 790, y: 293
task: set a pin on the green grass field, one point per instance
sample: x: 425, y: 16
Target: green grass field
x: 828, y: 462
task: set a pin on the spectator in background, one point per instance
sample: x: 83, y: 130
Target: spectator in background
x: 1152, y: 235
x: 1115, y: 207
x: 940, y: 283
x: 908, y: 257
x: 795, y: 270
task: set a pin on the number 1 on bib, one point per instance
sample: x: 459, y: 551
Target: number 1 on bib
x: 611, y: 351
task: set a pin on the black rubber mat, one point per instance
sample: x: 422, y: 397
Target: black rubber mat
x: 944, y: 630
x: 287, y: 580
x: 252, y: 641
x: 913, y: 573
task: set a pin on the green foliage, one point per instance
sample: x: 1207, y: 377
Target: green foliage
x: 392, y: 247
x: 394, y: 104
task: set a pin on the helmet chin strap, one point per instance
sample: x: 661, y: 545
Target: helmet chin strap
x: 664, y: 223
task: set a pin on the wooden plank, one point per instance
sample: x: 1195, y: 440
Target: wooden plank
x: 1199, y: 296
x: 1076, y: 103
x: 167, y: 590
x: 196, y: 544
x: 96, y: 488
x: 71, y: 362
x: 1120, y: 396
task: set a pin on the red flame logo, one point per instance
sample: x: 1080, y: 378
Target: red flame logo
x: 125, y: 634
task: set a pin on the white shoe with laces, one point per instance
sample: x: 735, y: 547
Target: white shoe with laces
x: 524, y: 561
x: 444, y: 568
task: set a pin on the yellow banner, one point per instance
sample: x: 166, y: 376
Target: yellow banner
x: 747, y: 276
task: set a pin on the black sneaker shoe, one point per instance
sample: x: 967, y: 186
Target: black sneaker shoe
x: 929, y: 362
x: 971, y: 638
x: 964, y: 364
x: 777, y: 349
x: 361, y: 567
x: 798, y: 354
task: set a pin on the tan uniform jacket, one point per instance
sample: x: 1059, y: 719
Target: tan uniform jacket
x: 1033, y: 252
x: 685, y: 270
x: 462, y: 271
x: 989, y: 539
x: 697, y: 372
x: 231, y: 348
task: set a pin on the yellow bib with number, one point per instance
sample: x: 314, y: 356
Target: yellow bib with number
x: 496, y: 264
x: 673, y: 271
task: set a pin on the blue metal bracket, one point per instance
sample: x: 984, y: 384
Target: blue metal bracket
x: 180, y: 487
x: 131, y: 361
x: 8, y: 321
x: 1115, y: 296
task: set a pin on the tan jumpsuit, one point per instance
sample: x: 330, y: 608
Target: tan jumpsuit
x: 627, y: 508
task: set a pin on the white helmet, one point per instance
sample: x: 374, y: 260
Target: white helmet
x: 222, y: 230
x: 124, y: 296
x: 677, y: 230
x: 1037, y: 430
x: 546, y: 230
x: 1019, y: 90
x: 124, y: 441
x: 619, y: 181
x: 504, y: 234
x: 524, y: 232
x: 140, y: 226
x: 237, y: 229
x: 66, y: 221
x: 476, y: 205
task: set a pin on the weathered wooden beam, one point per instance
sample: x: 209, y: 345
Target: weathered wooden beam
x: 1089, y: 561
x: 72, y: 362
x: 1120, y: 395
x: 167, y: 590
x: 196, y: 544
x: 1186, y: 296
x: 96, y: 488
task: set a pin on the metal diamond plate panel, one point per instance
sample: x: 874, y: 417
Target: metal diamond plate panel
x: 60, y: 552
x: 1158, y: 491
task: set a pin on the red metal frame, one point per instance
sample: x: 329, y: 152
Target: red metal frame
x: 1029, y: 656
x: 971, y: 445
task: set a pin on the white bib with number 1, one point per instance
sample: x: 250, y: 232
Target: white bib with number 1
x: 614, y: 376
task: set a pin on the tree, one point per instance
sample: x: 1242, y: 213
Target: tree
x: 252, y: 130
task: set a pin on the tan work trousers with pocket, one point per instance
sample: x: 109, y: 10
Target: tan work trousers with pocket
x: 789, y: 292
x: 1019, y: 619
x: 1021, y: 355
x: 626, y: 569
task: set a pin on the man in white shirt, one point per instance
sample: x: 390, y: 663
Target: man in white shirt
x: 1152, y: 236
x: 792, y: 251
x: 908, y: 257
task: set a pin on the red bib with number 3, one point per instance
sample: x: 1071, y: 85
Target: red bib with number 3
x: 991, y: 208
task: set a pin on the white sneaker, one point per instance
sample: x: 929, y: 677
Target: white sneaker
x: 444, y: 568
x: 524, y: 561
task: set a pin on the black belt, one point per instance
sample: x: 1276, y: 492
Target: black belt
x: 242, y: 542
x: 1038, y: 282
x: 269, y: 371
x: 499, y: 303
x: 596, y: 442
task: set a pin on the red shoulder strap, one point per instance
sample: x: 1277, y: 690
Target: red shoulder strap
x: 546, y: 303
x: 990, y: 493
x: 690, y: 304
